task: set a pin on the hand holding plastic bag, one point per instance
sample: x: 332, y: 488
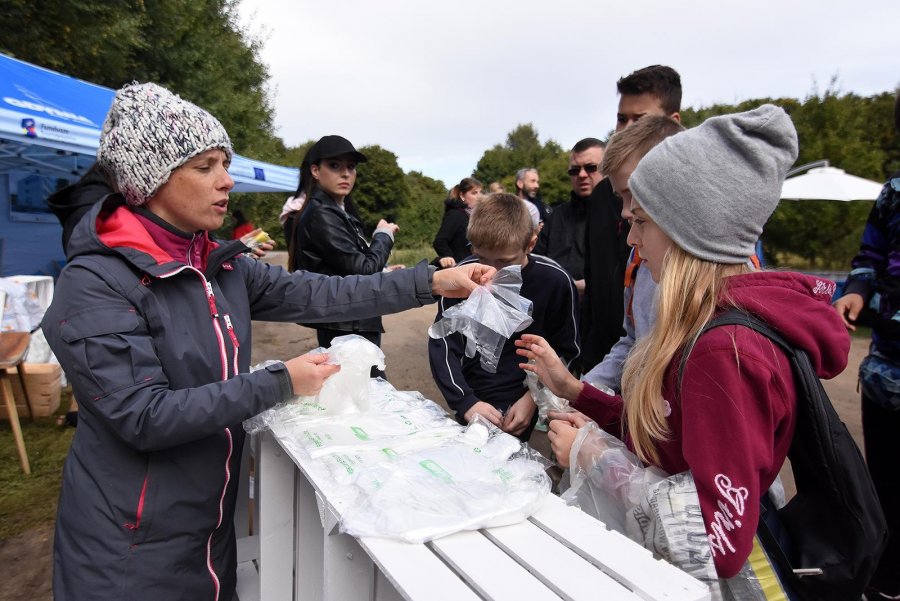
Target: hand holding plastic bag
x: 607, y: 479
x: 488, y: 318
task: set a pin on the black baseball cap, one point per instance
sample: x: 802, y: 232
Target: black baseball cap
x: 329, y: 147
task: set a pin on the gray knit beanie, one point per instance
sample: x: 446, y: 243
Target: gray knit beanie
x: 150, y: 132
x: 712, y: 188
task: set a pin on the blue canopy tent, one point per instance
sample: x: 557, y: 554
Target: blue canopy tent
x: 49, y: 132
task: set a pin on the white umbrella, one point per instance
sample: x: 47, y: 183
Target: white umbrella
x: 828, y: 183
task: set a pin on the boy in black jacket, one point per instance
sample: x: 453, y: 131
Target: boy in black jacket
x: 502, y: 234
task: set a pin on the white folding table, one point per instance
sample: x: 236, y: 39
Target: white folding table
x: 559, y: 553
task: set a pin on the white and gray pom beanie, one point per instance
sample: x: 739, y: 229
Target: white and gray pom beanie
x: 150, y: 132
x: 712, y: 188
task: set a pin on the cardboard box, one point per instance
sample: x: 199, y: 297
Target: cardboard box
x: 44, y: 382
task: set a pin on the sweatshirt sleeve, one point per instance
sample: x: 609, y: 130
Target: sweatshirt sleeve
x: 603, y: 408
x: 872, y: 260
x: 733, y: 406
x: 445, y: 356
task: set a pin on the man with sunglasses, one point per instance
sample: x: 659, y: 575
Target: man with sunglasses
x: 562, y: 238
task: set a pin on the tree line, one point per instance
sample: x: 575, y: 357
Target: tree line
x: 198, y: 49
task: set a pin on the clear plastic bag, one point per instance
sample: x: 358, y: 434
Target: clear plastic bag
x: 607, y: 480
x: 348, y: 391
x: 489, y: 317
x: 479, y: 479
x: 543, y: 397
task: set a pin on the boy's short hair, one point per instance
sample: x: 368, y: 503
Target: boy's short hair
x: 500, y: 221
x: 637, y: 140
x: 658, y: 80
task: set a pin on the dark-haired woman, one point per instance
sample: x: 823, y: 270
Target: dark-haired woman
x: 328, y: 235
x: 451, y: 243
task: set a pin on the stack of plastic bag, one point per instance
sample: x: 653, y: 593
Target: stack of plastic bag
x: 396, y: 465
x: 479, y: 479
x: 488, y: 318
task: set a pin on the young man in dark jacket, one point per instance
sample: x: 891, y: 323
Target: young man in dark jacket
x: 653, y: 90
x: 151, y: 320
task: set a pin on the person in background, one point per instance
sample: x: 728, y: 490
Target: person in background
x: 872, y: 297
x: 502, y: 234
x: 75, y: 200
x: 528, y: 184
x: 623, y: 154
x: 450, y: 243
x: 151, y: 321
x: 329, y: 236
x: 242, y: 225
x: 721, y: 405
x: 562, y: 237
x: 495, y: 188
x: 653, y: 90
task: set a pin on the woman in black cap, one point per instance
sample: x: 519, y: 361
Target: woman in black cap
x: 328, y: 235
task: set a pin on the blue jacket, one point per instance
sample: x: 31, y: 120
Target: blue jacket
x: 158, y: 353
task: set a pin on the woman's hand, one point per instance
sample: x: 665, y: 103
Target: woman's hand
x: 544, y: 362
x: 561, y: 434
x: 519, y: 415
x: 257, y: 247
x: 460, y: 281
x: 309, y: 372
x: 446, y: 262
x: 387, y: 225
x: 485, y: 410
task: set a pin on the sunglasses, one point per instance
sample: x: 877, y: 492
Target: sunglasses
x: 589, y: 168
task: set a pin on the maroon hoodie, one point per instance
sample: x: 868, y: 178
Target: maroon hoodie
x: 732, y: 424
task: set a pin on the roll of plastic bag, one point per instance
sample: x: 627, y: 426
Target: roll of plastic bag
x: 488, y: 318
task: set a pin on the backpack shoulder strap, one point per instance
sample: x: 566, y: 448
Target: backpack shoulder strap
x: 740, y: 318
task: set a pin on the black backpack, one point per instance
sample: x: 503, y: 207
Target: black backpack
x: 835, y: 525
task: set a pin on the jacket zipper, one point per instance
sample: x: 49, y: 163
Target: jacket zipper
x: 234, y: 342
x: 140, y: 506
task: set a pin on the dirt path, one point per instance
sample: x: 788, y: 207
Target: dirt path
x: 28, y: 557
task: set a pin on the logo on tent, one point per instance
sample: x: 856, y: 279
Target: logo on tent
x: 28, y: 126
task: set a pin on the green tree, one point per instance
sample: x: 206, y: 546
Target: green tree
x: 381, y: 188
x: 522, y: 149
x: 420, y: 218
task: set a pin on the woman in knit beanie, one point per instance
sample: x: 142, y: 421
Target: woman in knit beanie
x: 721, y: 406
x: 151, y: 320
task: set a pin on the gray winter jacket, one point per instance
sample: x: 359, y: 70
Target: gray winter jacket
x: 158, y: 354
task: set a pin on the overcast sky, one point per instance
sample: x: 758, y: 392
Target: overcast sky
x: 438, y: 82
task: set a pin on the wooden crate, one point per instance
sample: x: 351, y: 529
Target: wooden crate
x: 44, y: 386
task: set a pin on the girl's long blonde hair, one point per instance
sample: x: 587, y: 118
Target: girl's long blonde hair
x: 688, y: 293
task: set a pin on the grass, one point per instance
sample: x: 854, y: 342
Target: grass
x: 411, y: 256
x: 30, y: 501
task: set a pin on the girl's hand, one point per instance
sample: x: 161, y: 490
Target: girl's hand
x: 386, y: 225
x: 309, y: 372
x: 562, y: 436
x: 544, y: 362
x: 460, y: 281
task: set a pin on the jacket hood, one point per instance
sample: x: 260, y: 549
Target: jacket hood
x: 454, y: 203
x: 112, y: 228
x: 799, y: 307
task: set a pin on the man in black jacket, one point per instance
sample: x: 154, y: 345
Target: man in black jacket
x: 653, y: 90
x: 562, y: 238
